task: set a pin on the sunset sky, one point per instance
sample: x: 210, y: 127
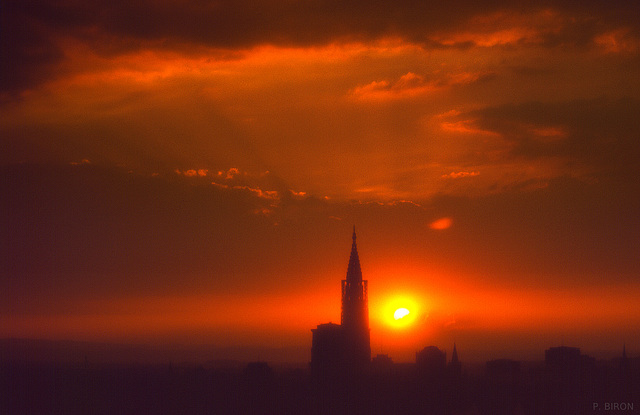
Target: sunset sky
x: 189, y: 172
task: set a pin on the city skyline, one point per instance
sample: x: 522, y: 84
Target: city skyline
x: 189, y: 173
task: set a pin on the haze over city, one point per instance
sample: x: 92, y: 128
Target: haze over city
x: 189, y: 173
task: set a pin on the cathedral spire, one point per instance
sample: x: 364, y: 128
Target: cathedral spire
x: 354, y: 273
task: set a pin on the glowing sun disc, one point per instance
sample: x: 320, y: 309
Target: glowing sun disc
x: 400, y: 313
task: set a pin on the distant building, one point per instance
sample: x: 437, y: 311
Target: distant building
x: 345, y: 347
x: 567, y: 379
x: 382, y: 359
x: 567, y: 360
x: 455, y: 368
x: 382, y: 362
x: 567, y: 363
x: 431, y: 361
x: 327, y: 349
x: 562, y: 357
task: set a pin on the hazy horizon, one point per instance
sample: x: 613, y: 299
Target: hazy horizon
x: 176, y: 352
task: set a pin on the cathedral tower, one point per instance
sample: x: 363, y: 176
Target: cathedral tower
x: 338, y: 350
x: 355, y: 310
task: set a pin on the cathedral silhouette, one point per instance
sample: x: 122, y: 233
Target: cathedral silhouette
x: 344, y: 348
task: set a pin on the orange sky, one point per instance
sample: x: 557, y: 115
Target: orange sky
x: 189, y: 172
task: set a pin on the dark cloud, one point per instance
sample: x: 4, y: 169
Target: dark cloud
x: 598, y: 135
x: 241, y: 23
x: 27, y: 54
x: 32, y: 28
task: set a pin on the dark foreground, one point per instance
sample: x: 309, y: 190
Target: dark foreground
x: 500, y: 387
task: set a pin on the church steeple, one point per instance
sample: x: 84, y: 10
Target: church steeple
x: 454, y: 356
x: 454, y: 366
x: 354, y: 273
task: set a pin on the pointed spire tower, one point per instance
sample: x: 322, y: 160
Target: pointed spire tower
x: 455, y: 368
x: 355, y: 309
x: 454, y: 355
x: 354, y: 273
x: 624, y: 361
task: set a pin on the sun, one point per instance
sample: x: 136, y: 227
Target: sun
x: 401, y: 313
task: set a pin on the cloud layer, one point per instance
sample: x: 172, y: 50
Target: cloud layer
x: 223, y: 149
x: 37, y: 32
